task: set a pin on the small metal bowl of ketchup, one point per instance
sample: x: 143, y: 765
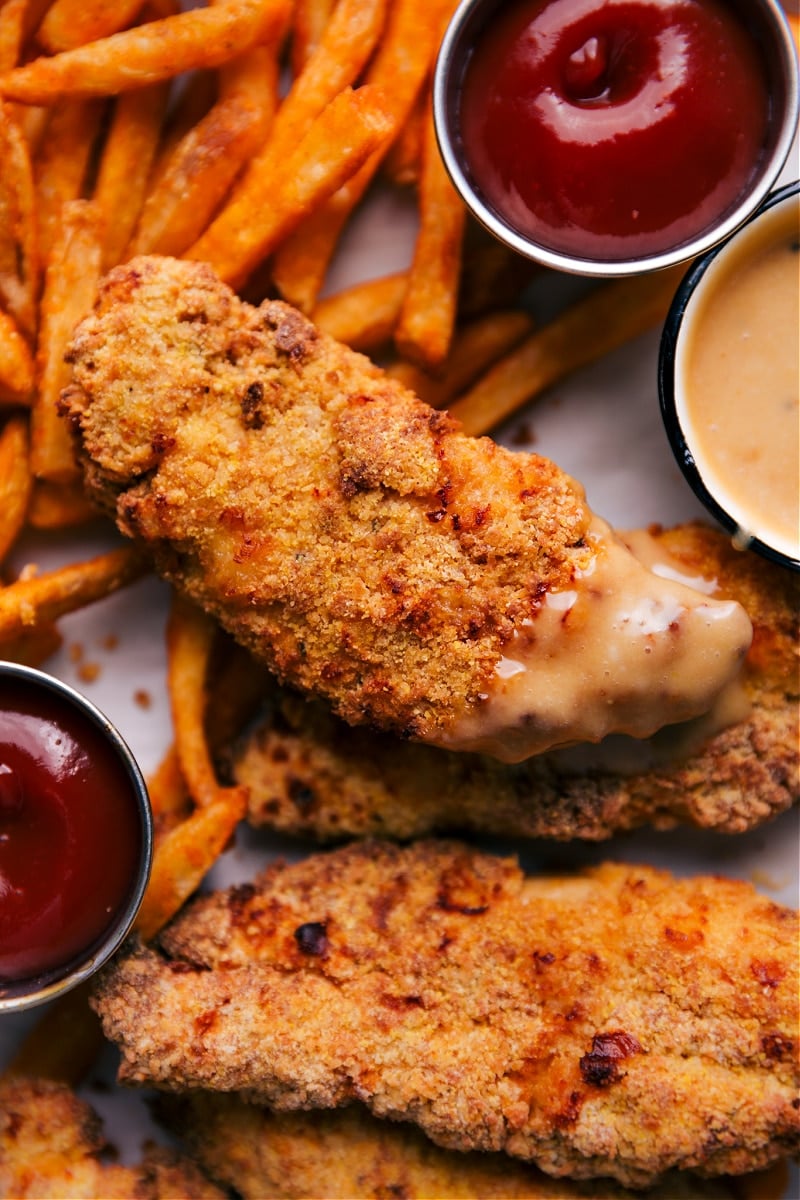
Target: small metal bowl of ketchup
x: 617, y: 138
x: 76, y: 838
x: 729, y: 379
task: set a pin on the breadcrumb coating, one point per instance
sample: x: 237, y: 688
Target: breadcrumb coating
x: 308, y: 773
x: 348, y: 1155
x: 616, y: 1022
x: 52, y: 1148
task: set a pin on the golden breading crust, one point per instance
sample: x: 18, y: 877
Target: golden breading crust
x: 618, y: 1022
x: 51, y: 1144
x: 336, y: 525
x: 347, y: 1154
x: 309, y: 773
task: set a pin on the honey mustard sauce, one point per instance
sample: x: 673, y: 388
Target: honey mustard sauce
x: 626, y: 650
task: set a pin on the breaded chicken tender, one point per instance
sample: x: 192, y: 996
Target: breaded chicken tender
x: 618, y: 1022
x: 51, y: 1146
x: 309, y: 773
x: 434, y: 585
x: 348, y: 1155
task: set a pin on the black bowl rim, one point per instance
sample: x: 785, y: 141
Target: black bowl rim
x: 38, y: 990
x: 666, y: 382
x: 453, y: 53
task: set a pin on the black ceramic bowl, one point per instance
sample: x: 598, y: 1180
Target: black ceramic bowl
x: 76, y: 838
x: 767, y: 27
x: 736, y: 501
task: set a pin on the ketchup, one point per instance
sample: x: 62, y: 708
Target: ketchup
x: 71, y: 836
x: 615, y: 130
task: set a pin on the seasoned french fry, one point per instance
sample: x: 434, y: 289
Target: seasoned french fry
x: 204, y: 164
x: 29, y: 602
x: 399, y: 67
x: 346, y: 44
x: 63, y: 1043
x: 71, y: 23
x: 604, y: 320
x: 185, y: 855
x: 33, y: 647
x: 125, y: 165
x: 19, y: 262
x: 309, y: 19
x: 190, y: 640
x: 492, y: 274
x: 150, y: 53
x: 340, y: 139
x: 428, y: 315
x: 169, y: 799
x: 73, y: 272
x: 364, y: 315
x: 59, y: 506
x: 236, y: 687
x: 474, y: 349
x: 404, y: 157
x: 16, y: 364
x: 12, y: 32
x: 60, y: 170
x: 15, y: 480
x: 194, y: 100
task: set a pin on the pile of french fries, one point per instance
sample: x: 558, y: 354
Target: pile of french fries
x: 244, y: 133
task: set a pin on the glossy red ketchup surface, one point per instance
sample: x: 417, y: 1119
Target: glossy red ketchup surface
x: 613, y: 130
x: 70, y: 833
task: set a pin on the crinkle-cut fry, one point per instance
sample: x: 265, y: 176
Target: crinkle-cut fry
x: 190, y: 641
x: 345, y: 47
x: 149, y: 53
x: 363, y: 316
x: 61, y: 167
x: 28, y: 602
x: 19, y: 261
x: 427, y: 319
x: 33, y: 647
x: 204, y: 164
x: 71, y: 278
x: 475, y: 347
x: 605, y: 319
x: 17, y: 371
x: 15, y: 480
x: 338, y: 141
x: 71, y: 23
x: 59, y: 506
x: 186, y: 854
x: 400, y: 66
x: 124, y: 170
x: 309, y: 19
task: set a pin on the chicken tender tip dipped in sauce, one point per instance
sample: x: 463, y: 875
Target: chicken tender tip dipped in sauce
x: 358, y: 542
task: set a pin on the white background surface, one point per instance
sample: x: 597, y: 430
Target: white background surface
x: 601, y: 425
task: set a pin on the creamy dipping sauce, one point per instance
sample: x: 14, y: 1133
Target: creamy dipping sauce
x: 625, y: 650
x: 737, y: 379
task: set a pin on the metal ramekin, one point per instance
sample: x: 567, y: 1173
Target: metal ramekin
x: 15, y: 997
x: 669, y: 387
x: 471, y: 17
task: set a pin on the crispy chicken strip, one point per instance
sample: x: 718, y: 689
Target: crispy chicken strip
x: 348, y: 1155
x: 359, y: 543
x: 52, y: 1145
x: 309, y: 773
x: 618, y: 1022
